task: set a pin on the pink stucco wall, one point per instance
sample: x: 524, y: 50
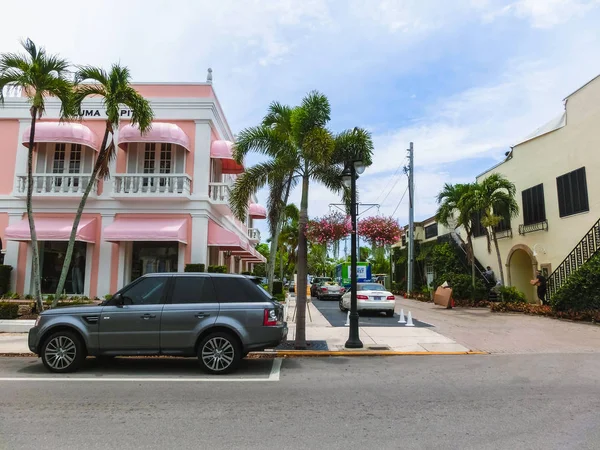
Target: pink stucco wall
x: 176, y: 90
x: 9, y: 143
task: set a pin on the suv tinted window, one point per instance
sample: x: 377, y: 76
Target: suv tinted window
x: 237, y: 290
x: 148, y: 291
x: 193, y: 290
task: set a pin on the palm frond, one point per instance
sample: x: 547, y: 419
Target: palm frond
x: 263, y: 140
x: 247, y: 184
x: 278, y: 118
x: 353, y: 145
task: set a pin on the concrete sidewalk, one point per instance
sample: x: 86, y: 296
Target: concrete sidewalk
x: 510, y: 333
x: 13, y: 343
x: 399, y: 339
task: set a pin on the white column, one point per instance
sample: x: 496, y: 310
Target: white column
x: 105, y: 260
x: 22, y: 152
x: 122, y: 261
x: 199, y: 240
x: 181, y: 257
x: 89, y: 253
x: 27, y: 286
x: 11, y: 257
x: 201, y: 176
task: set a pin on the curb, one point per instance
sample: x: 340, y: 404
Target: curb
x: 327, y: 353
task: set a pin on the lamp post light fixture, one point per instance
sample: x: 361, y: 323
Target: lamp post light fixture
x: 349, y: 177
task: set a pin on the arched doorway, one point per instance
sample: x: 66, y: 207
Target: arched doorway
x: 521, y: 270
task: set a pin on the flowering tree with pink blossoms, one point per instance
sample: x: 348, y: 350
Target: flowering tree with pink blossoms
x: 328, y: 229
x: 379, y: 231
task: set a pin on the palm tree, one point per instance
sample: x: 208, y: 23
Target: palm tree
x: 495, y: 198
x: 39, y: 75
x: 115, y: 90
x: 456, y: 209
x: 272, y: 138
x: 288, y: 236
x: 309, y: 151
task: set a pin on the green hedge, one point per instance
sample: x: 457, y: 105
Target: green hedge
x: 5, y: 278
x: 280, y: 297
x: 512, y: 295
x: 277, y: 288
x: 9, y: 310
x: 581, y: 292
x: 217, y: 269
x: 194, y: 268
x: 462, y: 286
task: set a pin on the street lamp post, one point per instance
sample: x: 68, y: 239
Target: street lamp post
x: 349, y: 176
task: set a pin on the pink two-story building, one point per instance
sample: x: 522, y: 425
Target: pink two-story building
x: 165, y: 205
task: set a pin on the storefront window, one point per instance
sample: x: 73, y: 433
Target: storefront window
x: 154, y: 257
x: 52, y: 256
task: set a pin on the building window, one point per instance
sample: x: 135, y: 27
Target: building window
x: 503, y: 225
x: 572, y: 193
x: 403, y: 240
x: 477, y: 229
x: 431, y: 231
x: 153, y: 257
x: 58, y: 165
x: 534, y: 209
x: 52, y: 256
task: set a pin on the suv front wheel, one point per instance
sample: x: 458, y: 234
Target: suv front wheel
x: 219, y: 353
x: 63, y: 352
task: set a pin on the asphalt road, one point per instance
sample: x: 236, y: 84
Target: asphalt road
x: 331, y: 310
x: 454, y: 402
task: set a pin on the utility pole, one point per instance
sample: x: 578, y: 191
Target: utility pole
x: 411, y: 220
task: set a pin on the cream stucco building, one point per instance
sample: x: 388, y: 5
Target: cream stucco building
x: 556, y: 171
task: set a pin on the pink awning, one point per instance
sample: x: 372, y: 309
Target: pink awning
x: 223, y: 150
x: 220, y: 237
x: 167, y: 133
x: 142, y: 229
x: 65, y: 132
x: 257, y: 211
x: 52, y: 229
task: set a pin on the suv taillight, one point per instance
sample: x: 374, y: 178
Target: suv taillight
x: 270, y: 318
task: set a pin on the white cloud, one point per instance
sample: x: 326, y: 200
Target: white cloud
x: 543, y: 13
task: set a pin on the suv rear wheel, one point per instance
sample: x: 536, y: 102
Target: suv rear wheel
x: 63, y: 352
x: 219, y: 353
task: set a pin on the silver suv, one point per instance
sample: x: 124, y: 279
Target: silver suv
x: 218, y: 318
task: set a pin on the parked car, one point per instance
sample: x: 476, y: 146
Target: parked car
x: 315, y: 283
x: 370, y: 297
x: 218, y: 318
x: 328, y: 290
x: 292, y: 287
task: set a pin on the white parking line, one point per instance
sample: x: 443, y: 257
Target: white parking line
x: 275, y: 370
x: 273, y: 376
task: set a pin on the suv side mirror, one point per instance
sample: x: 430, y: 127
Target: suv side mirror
x: 117, y: 300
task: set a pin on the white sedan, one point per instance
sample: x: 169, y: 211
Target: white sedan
x: 370, y: 297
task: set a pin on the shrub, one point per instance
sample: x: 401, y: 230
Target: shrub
x: 5, y: 278
x: 277, y: 287
x: 9, y: 310
x: 280, y: 297
x: 16, y: 296
x: 510, y: 294
x: 581, y: 292
x: 462, y: 287
x: 107, y: 296
x: 194, y: 268
x: 217, y: 269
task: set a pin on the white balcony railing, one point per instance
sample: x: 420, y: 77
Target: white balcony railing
x: 144, y: 185
x: 53, y: 184
x: 254, y: 234
x: 219, y: 193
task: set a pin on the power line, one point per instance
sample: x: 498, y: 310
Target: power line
x: 401, y: 198
x: 387, y: 185
x: 390, y: 191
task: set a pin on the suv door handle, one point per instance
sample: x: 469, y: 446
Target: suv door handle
x: 202, y: 315
x: 148, y: 316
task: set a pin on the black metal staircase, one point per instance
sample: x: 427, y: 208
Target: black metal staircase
x: 583, y: 251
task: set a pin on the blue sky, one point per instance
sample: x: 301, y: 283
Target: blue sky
x: 462, y: 79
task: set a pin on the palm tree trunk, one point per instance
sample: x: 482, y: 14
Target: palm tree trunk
x: 82, y: 202
x: 275, y: 240
x: 500, y: 269
x: 471, y: 258
x: 281, y: 263
x: 37, y: 291
x: 301, y: 268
